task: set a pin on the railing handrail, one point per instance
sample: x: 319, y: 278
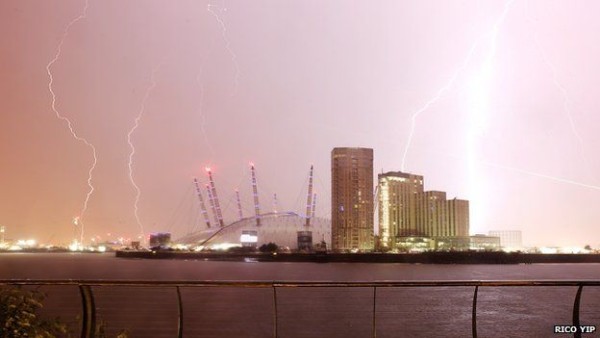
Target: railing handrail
x: 283, y: 283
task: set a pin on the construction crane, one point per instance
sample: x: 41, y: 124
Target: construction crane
x: 239, y: 203
x: 309, y: 196
x: 202, y: 206
x: 255, y: 192
x: 215, y: 197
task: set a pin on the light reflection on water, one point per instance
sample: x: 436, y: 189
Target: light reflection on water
x: 314, y: 312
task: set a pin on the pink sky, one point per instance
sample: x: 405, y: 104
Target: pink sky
x: 281, y: 83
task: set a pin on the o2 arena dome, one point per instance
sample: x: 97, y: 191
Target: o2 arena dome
x: 286, y: 229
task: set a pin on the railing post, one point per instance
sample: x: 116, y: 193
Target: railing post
x: 275, y: 311
x: 88, y: 324
x: 576, y: 323
x: 180, y: 318
x: 374, y: 311
x: 474, y: 313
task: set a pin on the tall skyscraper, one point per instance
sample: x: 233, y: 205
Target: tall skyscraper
x: 352, y: 199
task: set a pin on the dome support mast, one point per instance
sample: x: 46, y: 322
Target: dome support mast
x: 309, y: 196
x: 255, y: 192
x: 202, y: 205
x: 314, y: 205
x: 239, y: 203
x: 215, y: 197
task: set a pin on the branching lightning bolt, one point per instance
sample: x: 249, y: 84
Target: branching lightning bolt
x: 69, y: 124
x: 434, y: 99
x: 132, y: 150
x: 209, y: 8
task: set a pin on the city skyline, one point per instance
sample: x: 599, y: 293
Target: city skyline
x: 493, y: 102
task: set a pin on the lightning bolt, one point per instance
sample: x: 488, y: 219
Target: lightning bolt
x: 566, y: 100
x: 431, y: 101
x: 201, y: 112
x: 480, y: 86
x: 209, y: 8
x: 479, y: 100
x: 138, y: 192
x: 532, y: 173
x: 82, y: 16
x: 548, y: 177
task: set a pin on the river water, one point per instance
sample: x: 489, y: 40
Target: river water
x: 311, y: 312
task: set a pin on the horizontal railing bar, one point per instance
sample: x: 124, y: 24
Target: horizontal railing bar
x: 303, y: 284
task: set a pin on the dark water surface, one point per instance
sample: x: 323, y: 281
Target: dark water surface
x: 312, y: 312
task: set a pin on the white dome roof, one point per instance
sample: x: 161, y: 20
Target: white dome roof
x: 280, y: 228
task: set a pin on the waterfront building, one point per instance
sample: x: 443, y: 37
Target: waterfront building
x: 414, y: 244
x: 398, y: 212
x: 160, y: 239
x: 462, y: 243
x: 352, y: 199
x: 286, y: 229
x: 484, y: 243
x: 510, y: 240
x: 408, y: 214
x: 458, y: 217
x: 433, y: 214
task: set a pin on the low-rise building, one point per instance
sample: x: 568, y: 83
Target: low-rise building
x: 510, y: 240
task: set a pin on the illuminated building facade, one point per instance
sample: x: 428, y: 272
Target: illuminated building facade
x: 398, y: 198
x: 409, y: 215
x: 460, y: 243
x: 352, y: 199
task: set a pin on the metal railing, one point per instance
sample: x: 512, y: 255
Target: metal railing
x: 89, y: 308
